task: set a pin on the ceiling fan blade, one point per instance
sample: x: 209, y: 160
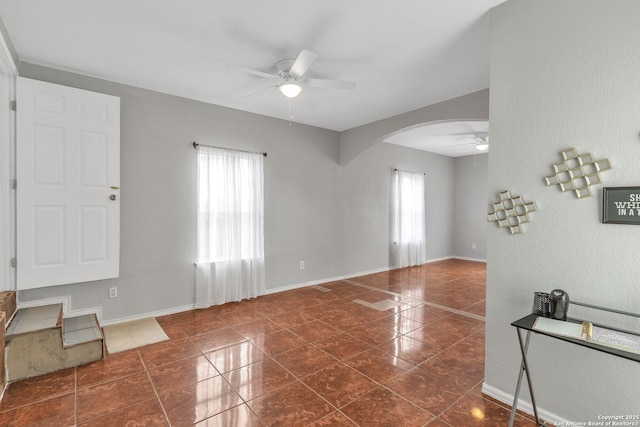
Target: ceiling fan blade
x: 467, y: 134
x: 305, y: 60
x: 254, y: 72
x: 464, y: 143
x: 470, y: 134
x: 260, y: 91
x: 330, y: 84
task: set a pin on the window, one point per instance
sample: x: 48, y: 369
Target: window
x: 230, y: 205
x: 408, y: 218
x: 230, y: 263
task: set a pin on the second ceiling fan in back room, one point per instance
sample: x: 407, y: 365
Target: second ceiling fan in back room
x: 480, y: 140
x: 290, y: 79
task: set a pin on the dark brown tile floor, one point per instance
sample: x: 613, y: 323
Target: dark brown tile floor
x: 306, y: 357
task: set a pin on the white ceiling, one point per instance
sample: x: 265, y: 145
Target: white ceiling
x: 453, y: 139
x: 402, y: 54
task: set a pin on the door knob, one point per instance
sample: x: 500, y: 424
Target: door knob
x: 112, y: 197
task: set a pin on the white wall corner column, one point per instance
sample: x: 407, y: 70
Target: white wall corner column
x: 8, y: 73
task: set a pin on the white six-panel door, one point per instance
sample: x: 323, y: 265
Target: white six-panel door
x: 68, y: 185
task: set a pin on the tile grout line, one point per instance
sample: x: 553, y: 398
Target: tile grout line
x: 221, y: 374
x: 75, y: 394
x: 376, y: 382
x: 431, y: 304
x: 410, y: 402
x: 296, y: 378
x: 153, y: 386
x: 118, y: 379
x: 461, y: 397
x: 246, y: 401
x: 337, y: 361
x: 437, y: 417
x: 42, y: 400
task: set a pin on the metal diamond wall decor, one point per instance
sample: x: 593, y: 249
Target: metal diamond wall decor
x: 577, y: 172
x: 511, y: 212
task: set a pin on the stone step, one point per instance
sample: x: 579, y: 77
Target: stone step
x: 33, y: 319
x: 40, y: 341
x: 7, y: 310
x: 80, y: 330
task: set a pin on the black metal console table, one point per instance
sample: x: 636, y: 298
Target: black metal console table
x: 527, y: 324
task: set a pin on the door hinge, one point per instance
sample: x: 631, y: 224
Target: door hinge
x: 14, y: 184
x: 13, y: 262
x: 13, y: 105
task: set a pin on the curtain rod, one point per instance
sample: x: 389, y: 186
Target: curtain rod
x: 195, y: 145
x: 399, y: 170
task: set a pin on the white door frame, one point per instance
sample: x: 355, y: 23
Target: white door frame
x: 8, y: 73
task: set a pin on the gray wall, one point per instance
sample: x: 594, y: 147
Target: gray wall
x: 302, y: 201
x: 366, y: 183
x: 563, y: 74
x: 333, y: 217
x: 470, y: 207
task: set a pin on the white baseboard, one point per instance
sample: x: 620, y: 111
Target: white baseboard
x: 68, y: 312
x: 347, y: 276
x: 470, y: 259
x: 444, y: 258
x: 65, y: 300
x: 365, y: 273
x: 158, y: 313
x: 429, y: 261
x: 325, y: 280
x: 302, y: 285
x: 524, y: 406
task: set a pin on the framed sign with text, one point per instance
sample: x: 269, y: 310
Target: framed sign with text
x: 621, y: 205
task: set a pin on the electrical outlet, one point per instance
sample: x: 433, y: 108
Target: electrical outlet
x: 473, y: 246
x: 301, y: 265
x: 113, y: 292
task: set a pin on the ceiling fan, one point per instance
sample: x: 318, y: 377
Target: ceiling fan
x: 480, y: 140
x: 290, y: 73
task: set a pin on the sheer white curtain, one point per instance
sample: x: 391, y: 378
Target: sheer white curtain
x: 230, y: 263
x: 408, y: 218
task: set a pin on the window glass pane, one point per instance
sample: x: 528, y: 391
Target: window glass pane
x: 229, y: 206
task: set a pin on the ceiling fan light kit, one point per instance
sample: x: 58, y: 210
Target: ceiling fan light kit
x: 290, y: 90
x: 482, y: 141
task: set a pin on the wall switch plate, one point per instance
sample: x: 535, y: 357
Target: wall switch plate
x: 113, y: 292
x: 473, y: 246
x: 301, y: 265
